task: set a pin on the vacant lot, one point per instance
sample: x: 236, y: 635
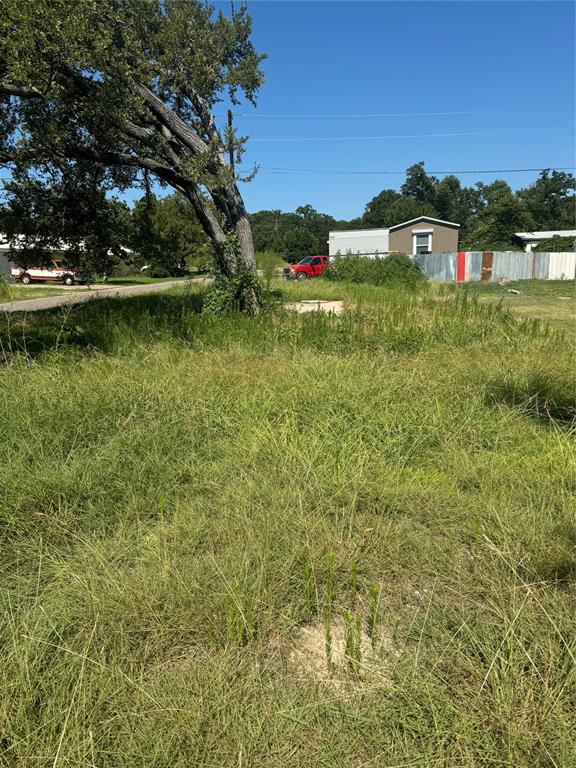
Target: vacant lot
x: 289, y: 541
x: 552, y: 301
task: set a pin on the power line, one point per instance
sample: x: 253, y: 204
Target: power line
x: 377, y: 138
x: 403, y: 173
x: 378, y: 114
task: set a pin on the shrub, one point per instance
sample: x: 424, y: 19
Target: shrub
x: 395, y: 270
x: 556, y: 244
x: 234, y: 294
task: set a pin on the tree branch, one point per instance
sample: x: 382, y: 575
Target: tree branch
x: 170, y: 119
x: 7, y: 89
x: 126, y: 160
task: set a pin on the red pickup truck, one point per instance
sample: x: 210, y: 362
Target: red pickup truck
x: 310, y: 266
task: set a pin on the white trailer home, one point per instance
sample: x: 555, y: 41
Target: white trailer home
x: 366, y: 242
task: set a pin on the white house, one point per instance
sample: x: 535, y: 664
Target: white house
x: 531, y: 239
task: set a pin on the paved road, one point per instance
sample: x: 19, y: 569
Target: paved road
x: 101, y: 292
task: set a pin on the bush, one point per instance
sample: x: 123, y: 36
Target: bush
x: 395, y: 270
x: 228, y: 295
x: 556, y: 244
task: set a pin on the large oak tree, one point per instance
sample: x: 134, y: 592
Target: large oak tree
x: 131, y: 85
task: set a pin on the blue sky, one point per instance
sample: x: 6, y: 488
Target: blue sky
x: 503, y: 74
x: 506, y: 67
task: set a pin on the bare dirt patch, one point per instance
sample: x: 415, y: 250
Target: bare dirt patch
x: 326, y: 654
x: 316, y: 305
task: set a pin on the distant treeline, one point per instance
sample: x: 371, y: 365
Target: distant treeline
x: 164, y: 233
x: 488, y: 214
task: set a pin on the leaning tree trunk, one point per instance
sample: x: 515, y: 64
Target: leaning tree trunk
x: 246, y: 243
x: 226, y: 223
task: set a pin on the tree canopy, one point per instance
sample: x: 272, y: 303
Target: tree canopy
x: 488, y: 214
x: 130, y: 86
x: 165, y: 237
x: 69, y: 208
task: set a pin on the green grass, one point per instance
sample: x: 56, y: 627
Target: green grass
x: 527, y: 287
x: 19, y: 292
x: 188, y: 501
x: 552, y: 301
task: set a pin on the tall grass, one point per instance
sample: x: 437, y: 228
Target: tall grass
x: 182, y: 494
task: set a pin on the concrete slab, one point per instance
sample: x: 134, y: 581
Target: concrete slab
x: 316, y: 305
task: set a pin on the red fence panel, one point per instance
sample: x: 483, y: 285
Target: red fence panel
x: 461, y: 267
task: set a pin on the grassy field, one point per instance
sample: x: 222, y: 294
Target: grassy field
x: 548, y: 300
x: 19, y: 292
x: 552, y: 301
x: 288, y: 541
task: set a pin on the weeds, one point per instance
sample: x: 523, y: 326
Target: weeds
x: 353, y: 650
x: 545, y: 393
x: 182, y: 495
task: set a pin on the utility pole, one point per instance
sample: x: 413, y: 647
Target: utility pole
x: 230, y: 141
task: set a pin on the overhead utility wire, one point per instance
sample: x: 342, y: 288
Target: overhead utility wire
x: 381, y: 114
x: 374, y: 138
x: 403, y: 173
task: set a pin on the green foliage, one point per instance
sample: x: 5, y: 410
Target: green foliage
x: 501, y: 213
x: 394, y: 270
x: 488, y: 214
x: 166, y: 234
x: 296, y: 244
x: 71, y: 211
x: 269, y: 260
x: 306, y: 225
x: 4, y: 288
x: 228, y: 295
x: 418, y: 185
x: 550, y: 200
x: 556, y: 244
x: 128, y: 86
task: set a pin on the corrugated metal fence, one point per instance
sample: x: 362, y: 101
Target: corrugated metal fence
x: 493, y: 266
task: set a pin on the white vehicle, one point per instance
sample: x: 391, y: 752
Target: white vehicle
x: 55, y: 272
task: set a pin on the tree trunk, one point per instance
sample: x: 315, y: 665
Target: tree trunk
x: 246, y: 243
x: 231, y: 257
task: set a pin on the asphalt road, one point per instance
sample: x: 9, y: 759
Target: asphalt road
x: 101, y: 292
